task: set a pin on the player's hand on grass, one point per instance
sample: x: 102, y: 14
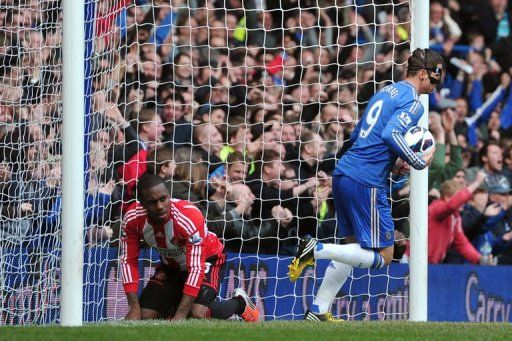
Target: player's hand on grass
x: 133, y: 304
x: 133, y: 313
x: 178, y: 317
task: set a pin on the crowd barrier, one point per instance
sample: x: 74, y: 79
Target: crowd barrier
x: 456, y: 292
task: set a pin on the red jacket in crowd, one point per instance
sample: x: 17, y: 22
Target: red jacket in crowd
x: 445, y: 229
x: 132, y: 170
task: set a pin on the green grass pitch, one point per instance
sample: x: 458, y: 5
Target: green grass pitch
x: 279, y: 330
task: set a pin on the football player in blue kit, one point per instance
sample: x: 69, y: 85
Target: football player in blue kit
x: 360, y: 182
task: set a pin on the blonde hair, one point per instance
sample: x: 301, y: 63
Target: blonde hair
x: 448, y: 188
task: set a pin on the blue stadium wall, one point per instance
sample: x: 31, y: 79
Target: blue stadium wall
x: 456, y: 292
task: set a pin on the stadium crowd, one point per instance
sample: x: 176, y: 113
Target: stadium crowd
x: 245, y: 111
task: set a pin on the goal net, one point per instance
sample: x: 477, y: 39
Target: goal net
x: 243, y: 106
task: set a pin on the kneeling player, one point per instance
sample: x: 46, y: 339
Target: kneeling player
x: 186, y: 283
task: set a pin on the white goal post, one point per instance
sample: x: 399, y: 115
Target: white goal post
x: 73, y: 160
x: 418, y: 263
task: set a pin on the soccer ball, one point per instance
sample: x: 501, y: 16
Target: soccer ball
x: 419, y: 139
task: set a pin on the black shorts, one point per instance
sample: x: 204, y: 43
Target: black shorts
x: 164, y: 290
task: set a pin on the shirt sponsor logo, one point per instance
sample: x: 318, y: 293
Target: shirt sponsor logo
x: 171, y: 252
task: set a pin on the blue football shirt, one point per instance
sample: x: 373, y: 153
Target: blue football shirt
x: 378, y: 137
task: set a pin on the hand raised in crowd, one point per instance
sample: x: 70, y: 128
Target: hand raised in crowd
x: 255, y: 146
x: 507, y: 237
x: 494, y: 66
x: 495, y: 135
x: 479, y: 179
x: 26, y: 208
x: 108, y: 232
x: 492, y: 210
x: 282, y: 214
x: 505, y: 80
x: 434, y: 192
x: 448, y: 118
x: 435, y: 126
x: 307, y: 186
x: 5, y: 172
x: 107, y: 188
x: 488, y: 260
x: 480, y: 71
x: 114, y: 115
x: 244, y: 205
x: 322, y: 193
x: 131, y: 60
x: 311, y: 184
x: 324, y: 179
x: 152, y: 145
x: 448, y: 46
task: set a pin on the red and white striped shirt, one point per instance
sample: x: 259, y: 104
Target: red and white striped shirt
x: 183, y: 243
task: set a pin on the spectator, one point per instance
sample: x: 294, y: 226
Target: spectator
x: 507, y: 168
x: 445, y: 228
x: 177, y: 130
x: 498, y: 231
x: 239, y: 139
x: 312, y: 150
x: 134, y: 153
x: 234, y: 170
x: 447, y: 157
x: 160, y: 161
x: 265, y: 183
x: 495, y: 20
x: 190, y: 177
x: 237, y: 228
x: 208, y: 142
x: 443, y: 29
